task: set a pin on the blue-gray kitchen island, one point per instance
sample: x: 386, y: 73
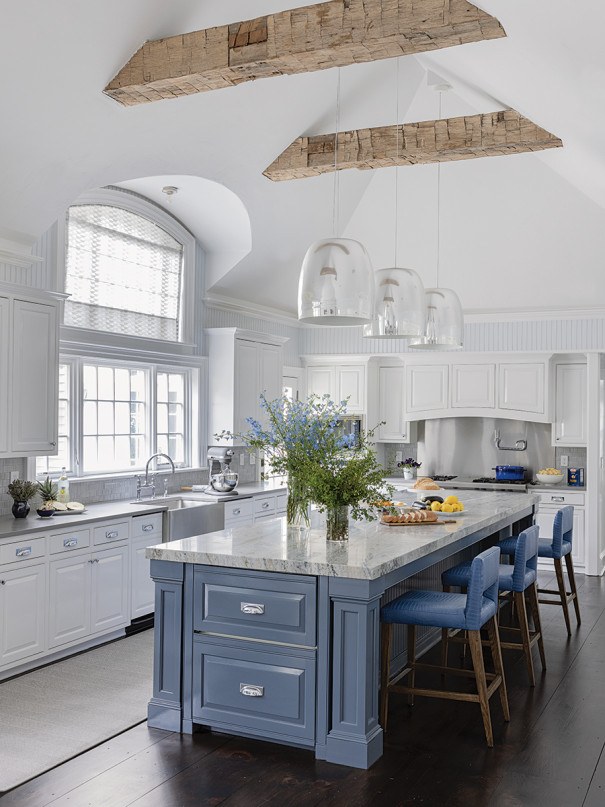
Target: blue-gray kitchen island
x: 270, y: 633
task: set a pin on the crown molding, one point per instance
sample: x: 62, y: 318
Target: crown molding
x: 476, y: 316
x: 222, y: 303
x: 16, y: 247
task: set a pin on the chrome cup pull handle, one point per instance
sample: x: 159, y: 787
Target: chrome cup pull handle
x: 557, y: 498
x: 252, y: 690
x: 147, y: 527
x: 237, y: 511
x: 67, y: 542
x: 23, y: 551
x: 265, y: 505
x: 111, y: 534
x: 252, y: 608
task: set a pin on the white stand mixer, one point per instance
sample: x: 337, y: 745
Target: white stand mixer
x: 221, y: 480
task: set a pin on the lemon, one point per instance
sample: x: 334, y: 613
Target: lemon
x: 436, y: 507
x: 447, y: 508
x: 460, y: 507
x: 451, y: 499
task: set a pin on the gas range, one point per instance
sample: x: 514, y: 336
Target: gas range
x: 481, y: 483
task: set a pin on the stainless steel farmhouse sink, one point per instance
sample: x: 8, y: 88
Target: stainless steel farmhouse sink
x: 186, y: 517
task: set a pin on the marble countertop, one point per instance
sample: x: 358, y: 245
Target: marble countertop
x: 372, y: 550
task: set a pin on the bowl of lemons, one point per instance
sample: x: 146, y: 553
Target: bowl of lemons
x: 451, y: 504
x: 549, y: 476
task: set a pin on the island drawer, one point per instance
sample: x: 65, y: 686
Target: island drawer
x: 270, y: 694
x: 561, y: 498
x: 255, y: 605
x: 69, y: 541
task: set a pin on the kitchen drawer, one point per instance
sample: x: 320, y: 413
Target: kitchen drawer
x: 239, y: 510
x: 262, y: 606
x: 271, y: 694
x: 553, y: 497
x: 150, y: 526
x: 281, y: 502
x: 264, y: 505
x: 24, y: 549
x: 69, y: 541
x: 111, y: 532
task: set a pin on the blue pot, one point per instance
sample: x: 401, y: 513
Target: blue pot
x: 509, y: 473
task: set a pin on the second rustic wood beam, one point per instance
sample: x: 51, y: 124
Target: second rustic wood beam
x: 432, y: 141
x: 301, y: 40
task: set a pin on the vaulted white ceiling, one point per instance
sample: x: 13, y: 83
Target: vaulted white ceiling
x: 518, y: 232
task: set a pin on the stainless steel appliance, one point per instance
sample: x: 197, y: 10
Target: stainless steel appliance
x: 222, y: 481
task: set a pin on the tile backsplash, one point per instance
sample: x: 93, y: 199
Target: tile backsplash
x: 386, y: 455
x: 6, y: 467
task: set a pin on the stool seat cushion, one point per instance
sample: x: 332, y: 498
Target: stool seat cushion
x: 545, y: 547
x: 436, y: 609
x: 459, y: 576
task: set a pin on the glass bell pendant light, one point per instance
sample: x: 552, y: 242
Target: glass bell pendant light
x: 399, y: 308
x: 336, y: 285
x: 444, y: 322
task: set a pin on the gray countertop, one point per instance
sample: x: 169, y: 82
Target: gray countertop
x: 372, y: 550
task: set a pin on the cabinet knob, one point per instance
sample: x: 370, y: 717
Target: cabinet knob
x: 2, y: 582
x: 53, y: 444
x: 237, y: 511
x: 265, y: 505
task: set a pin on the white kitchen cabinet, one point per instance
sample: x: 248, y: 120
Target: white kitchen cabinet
x: 28, y: 372
x: 109, y: 589
x: 521, y: 386
x: 550, y: 502
x: 571, y: 405
x: 426, y: 388
x: 341, y: 382
x: 4, y: 385
x: 145, y: 531
x: 242, y: 365
x: 473, y: 386
x: 391, y: 407
x: 22, y: 610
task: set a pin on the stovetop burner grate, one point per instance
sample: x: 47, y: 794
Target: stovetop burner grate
x: 443, y: 478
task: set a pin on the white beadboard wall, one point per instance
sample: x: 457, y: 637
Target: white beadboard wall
x: 220, y: 318
x: 39, y: 275
x: 540, y: 335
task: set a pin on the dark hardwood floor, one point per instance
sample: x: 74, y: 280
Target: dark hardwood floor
x: 551, y: 753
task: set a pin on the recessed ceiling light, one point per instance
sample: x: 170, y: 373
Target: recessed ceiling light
x: 170, y: 190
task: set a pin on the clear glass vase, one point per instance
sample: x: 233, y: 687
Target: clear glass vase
x: 297, y: 507
x: 337, y: 523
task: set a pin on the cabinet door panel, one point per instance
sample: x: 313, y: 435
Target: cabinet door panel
x: 427, y: 388
x: 390, y: 401
x: 270, y: 381
x: 22, y: 609
x: 34, y: 383
x: 246, y: 384
x: 570, y: 405
x: 351, y: 385
x: 320, y: 381
x: 142, y: 595
x: 474, y: 386
x: 4, y: 385
x: 521, y: 387
x: 69, y: 611
x: 109, y: 589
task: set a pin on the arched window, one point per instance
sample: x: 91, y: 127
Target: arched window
x: 124, y: 273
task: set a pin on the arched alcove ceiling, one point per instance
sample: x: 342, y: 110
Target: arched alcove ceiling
x: 214, y: 214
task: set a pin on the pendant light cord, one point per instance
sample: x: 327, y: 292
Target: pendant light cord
x: 336, y: 199
x: 396, y: 161
x: 438, y: 206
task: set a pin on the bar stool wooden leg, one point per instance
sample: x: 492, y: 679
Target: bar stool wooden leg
x: 494, y: 641
x: 562, y: 592
x: 412, y: 659
x: 532, y: 593
x: 525, y: 638
x: 385, y: 653
x: 474, y: 638
x: 444, y: 648
x: 572, y: 584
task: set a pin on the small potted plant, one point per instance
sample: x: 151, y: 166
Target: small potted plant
x: 410, y: 467
x: 21, y: 491
x: 48, y: 492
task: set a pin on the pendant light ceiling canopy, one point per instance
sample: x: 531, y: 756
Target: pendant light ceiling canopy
x: 444, y: 322
x: 399, y: 308
x: 336, y: 285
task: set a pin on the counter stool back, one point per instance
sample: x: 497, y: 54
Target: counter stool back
x: 470, y: 611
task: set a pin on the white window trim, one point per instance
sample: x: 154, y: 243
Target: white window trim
x: 142, y: 207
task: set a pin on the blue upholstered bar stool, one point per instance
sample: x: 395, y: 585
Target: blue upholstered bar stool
x: 519, y: 579
x: 470, y: 611
x: 557, y: 548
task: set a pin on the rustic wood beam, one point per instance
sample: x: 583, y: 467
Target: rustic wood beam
x: 431, y: 141
x: 301, y: 40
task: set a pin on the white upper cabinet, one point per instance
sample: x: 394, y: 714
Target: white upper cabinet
x: 242, y: 365
x: 571, y: 405
x: 29, y: 358
x: 521, y: 386
x: 473, y: 386
x: 391, y: 407
x: 427, y: 388
x: 340, y: 382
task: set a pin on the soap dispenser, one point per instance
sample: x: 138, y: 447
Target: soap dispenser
x: 63, y: 487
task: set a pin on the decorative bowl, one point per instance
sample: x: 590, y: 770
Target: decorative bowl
x: 45, y: 513
x: 549, y: 479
